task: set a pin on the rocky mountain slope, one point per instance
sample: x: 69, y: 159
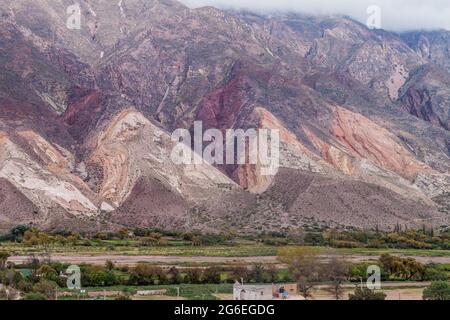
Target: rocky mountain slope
x: 86, y: 117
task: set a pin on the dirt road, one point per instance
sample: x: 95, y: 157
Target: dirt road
x: 169, y: 260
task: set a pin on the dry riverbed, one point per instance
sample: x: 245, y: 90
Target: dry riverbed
x: 171, y: 260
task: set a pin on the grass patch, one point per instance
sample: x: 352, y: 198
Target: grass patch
x: 242, y: 248
x: 188, y: 291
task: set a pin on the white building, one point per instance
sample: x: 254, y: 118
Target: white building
x: 252, y: 292
x: 266, y: 292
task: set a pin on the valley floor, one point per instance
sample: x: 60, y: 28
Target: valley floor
x: 394, y: 291
x: 129, y: 260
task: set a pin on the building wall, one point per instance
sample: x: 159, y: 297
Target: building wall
x: 252, y: 293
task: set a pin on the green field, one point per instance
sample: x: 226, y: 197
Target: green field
x: 187, y: 291
x: 412, y: 290
x: 242, y: 248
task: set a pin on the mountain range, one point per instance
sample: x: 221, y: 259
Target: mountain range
x: 86, y: 118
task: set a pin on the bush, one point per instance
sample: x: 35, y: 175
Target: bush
x: 314, y: 238
x: 439, y: 290
x: 46, y: 288
x: 275, y: 242
x: 152, y: 240
x: 10, y: 277
x: 34, y: 296
x: 25, y: 286
x: 48, y: 273
x: 435, y: 272
x: 3, y: 258
x: 145, y: 274
x: 366, y: 294
x: 99, y: 278
x: 3, y: 294
x: 344, y: 244
x: 211, y: 275
x: 123, y: 297
x: 402, y: 268
x: 194, y: 276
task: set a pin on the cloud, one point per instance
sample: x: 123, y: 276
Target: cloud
x: 396, y: 15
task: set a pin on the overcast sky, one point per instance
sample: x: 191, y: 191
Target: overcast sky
x: 396, y: 15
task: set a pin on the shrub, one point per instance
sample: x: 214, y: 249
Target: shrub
x: 439, y: 290
x: 46, y: 288
x: 194, y: 276
x: 366, y: 294
x: 145, y: 274
x: 435, y: 272
x: 211, y: 275
x: 34, y: 296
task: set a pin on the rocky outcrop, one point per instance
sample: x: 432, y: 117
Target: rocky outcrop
x: 39, y: 184
x: 432, y: 45
x: 377, y: 59
x: 426, y: 95
x: 132, y: 147
x: 364, y: 139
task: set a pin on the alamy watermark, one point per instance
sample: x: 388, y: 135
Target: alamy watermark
x: 73, y: 21
x: 374, y: 17
x: 373, y: 277
x: 73, y: 277
x: 259, y: 147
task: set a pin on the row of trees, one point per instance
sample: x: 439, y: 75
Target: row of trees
x: 305, y: 265
x: 421, y: 238
x: 308, y: 269
x: 32, y: 236
x: 40, y: 284
x: 42, y: 271
x: 147, y: 274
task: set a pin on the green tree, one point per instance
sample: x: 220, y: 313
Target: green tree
x: 404, y: 268
x: 11, y: 278
x: 96, y: 279
x: 109, y: 265
x: 337, y: 271
x: 152, y: 240
x: 367, y: 294
x: 271, y: 273
x: 146, y: 274
x: 239, y: 272
x: 174, y: 276
x: 304, y: 265
x: 197, y: 241
x: 34, y: 264
x: 17, y: 232
x: 194, y: 275
x: 35, y: 296
x: 46, y: 288
x: 439, y: 290
x: 211, y: 275
x: 48, y: 273
x: 258, y: 273
x: 4, y: 255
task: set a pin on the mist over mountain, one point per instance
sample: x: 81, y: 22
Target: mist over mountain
x: 399, y: 15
